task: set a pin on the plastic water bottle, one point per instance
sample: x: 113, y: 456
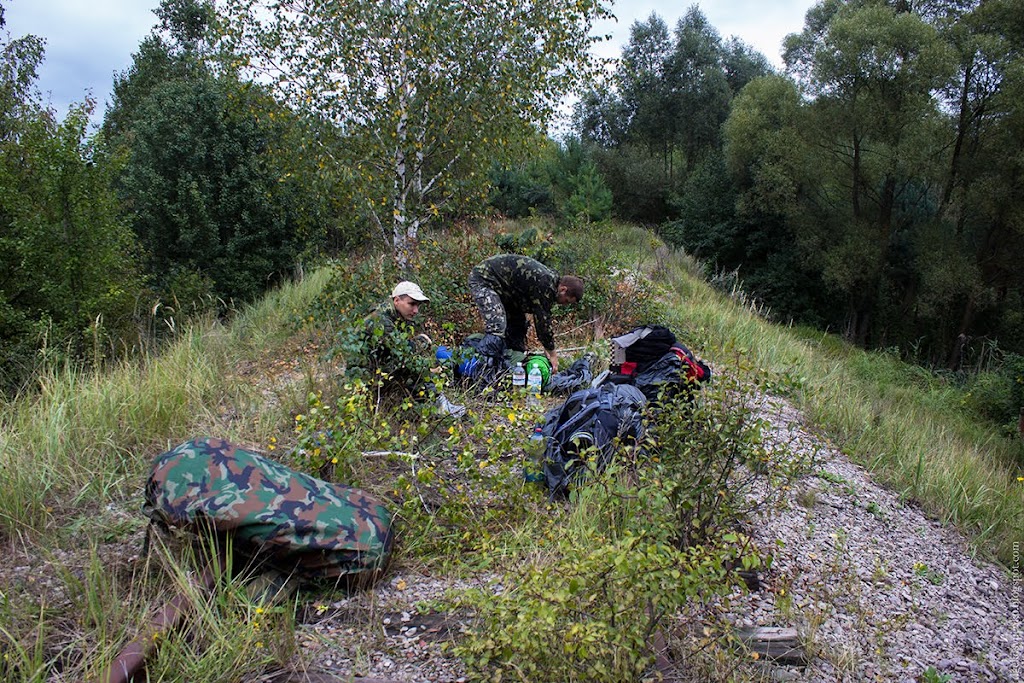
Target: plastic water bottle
x: 533, y: 471
x: 537, y: 440
x: 518, y: 376
x: 534, y: 381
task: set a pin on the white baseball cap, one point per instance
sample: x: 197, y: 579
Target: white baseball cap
x: 409, y: 289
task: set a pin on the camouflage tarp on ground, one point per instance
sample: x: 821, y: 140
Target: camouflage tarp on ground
x: 299, y: 523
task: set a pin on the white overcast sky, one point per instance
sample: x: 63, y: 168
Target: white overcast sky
x: 88, y: 41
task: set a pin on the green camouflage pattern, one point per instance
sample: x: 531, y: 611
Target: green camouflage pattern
x: 384, y: 317
x: 507, y: 287
x: 388, y: 346
x: 298, y: 523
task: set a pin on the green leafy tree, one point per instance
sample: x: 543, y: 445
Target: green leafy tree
x: 743, y: 64
x: 19, y: 64
x: 206, y: 203
x: 646, y: 92
x: 212, y: 181
x: 77, y: 254
x: 667, y: 101
x: 428, y: 94
x: 773, y: 167
x: 982, y: 288
x: 872, y: 70
x: 70, y: 277
x: 700, y: 88
x: 580, y: 191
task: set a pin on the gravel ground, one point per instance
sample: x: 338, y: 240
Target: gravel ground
x: 876, y: 591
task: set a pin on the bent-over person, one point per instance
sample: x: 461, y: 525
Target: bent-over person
x: 507, y: 287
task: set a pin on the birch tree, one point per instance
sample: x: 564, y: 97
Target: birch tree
x: 427, y: 93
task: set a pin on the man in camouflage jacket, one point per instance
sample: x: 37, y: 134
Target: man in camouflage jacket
x: 507, y: 287
x: 391, y: 345
x: 387, y: 335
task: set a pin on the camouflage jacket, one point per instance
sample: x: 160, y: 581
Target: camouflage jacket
x: 387, y: 338
x: 525, y: 284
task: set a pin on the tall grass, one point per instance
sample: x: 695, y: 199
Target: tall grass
x: 85, y: 438
x: 82, y: 442
x: 907, y: 427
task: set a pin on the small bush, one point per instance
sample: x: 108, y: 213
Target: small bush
x: 587, y: 615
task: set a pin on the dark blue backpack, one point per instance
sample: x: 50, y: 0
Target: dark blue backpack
x: 584, y: 429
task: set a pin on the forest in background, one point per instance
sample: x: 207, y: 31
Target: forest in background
x: 871, y: 188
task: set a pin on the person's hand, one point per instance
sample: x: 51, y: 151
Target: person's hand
x: 553, y: 359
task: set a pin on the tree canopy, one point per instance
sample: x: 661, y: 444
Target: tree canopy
x: 427, y: 93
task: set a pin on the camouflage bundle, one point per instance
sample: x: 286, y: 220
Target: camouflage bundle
x: 300, y: 524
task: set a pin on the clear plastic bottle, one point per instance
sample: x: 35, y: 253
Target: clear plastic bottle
x: 533, y: 470
x: 534, y: 380
x: 518, y: 376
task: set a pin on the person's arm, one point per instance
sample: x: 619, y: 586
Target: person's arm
x: 553, y: 359
x: 542, y: 323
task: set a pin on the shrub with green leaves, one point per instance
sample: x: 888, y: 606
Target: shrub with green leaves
x: 711, y: 462
x: 588, y: 614
x: 658, y: 530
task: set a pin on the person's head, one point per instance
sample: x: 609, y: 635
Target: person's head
x: 407, y: 297
x: 570, y: 290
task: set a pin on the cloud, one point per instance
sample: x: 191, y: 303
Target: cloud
x: 87, y: 42
x: 762, y: 25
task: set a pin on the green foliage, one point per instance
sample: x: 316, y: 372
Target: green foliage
x: 205, y: 199
x: 709, y: 457
x: 530, y: 242
x: 71, y: 278
x: 586, y: 614
x: 652, y: 534
x: 589, y: 198
x: 574, y: 578
x: 223, y: 194
x: 617, y: 294
x: 433, y: 470
x: 930, y: 675
x: 641, y: 185
x: 998, y: 394
x: 663, y: 112
x: 526, y: 188
x: 564, y: 182
x: 451, y: 90
x: 521, y: 192
x: 861, y: 207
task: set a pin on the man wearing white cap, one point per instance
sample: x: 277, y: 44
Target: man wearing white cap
x: 390, y: 344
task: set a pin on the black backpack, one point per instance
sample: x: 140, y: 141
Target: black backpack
x: 651, y: 358
x: 586, y: 425
x: 642, y: 345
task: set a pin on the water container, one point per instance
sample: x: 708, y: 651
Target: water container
x: 534, y: 380
x: 518, y: 376
x: 541, y: 364
x: 532, y: 469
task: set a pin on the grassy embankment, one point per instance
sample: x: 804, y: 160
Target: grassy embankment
x: 73, y: 454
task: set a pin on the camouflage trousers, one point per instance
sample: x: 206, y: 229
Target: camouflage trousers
x: 501, y: 317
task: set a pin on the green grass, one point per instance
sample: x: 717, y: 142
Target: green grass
x: 74, y: 452
x: 910, y: 428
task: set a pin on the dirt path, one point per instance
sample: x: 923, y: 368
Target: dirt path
x: 878, y: 591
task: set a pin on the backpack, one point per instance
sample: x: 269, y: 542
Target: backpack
x: 298, y: 524
x: 642, y: 345
x: 586, y: 425
x: 651, y: 358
